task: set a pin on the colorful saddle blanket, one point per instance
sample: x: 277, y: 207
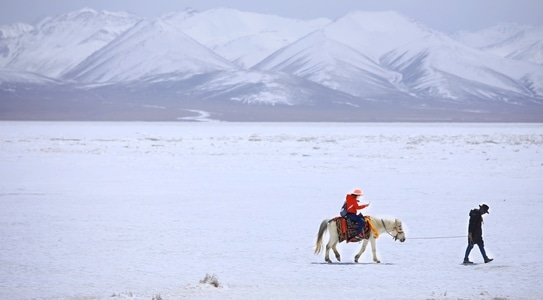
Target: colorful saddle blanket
x: 347, y: 229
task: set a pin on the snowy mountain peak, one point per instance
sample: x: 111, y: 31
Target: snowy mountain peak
x: 89, y: 15
x: 508, y: 40
x: 14, y: 30
x: 149, y: 48
x: 375, y: 33
x: 179, y: 16
x: 57, y: 45
x: 321, y: 59
x: 491, y: 36
x: 83, y: 13
x: 243, y: 37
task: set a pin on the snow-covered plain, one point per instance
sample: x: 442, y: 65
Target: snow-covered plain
x: 142, y: 210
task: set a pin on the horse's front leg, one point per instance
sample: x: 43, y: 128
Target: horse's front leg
x: 374, y: 250
x: 364, y: 244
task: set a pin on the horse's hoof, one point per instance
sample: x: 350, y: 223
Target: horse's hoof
x: 356, y: 259
x: 328, y: 261
x: 378, y: 261
x: 338, y: 258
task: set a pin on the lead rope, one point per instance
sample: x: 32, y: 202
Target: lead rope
x: 438, y: 237
x: 424, y: 238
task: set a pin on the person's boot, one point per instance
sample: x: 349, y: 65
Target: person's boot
x: 467, y: 261
x: 487, y: 260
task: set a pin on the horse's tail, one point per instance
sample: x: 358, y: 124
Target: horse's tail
x: 322, y: 230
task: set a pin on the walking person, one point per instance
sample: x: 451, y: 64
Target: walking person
x: 475, y: 233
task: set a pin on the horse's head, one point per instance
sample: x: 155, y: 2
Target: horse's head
x: 400, y: 234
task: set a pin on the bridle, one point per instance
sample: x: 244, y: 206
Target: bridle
x: 398, y: 231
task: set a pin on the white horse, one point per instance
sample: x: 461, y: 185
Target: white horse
x: 392, y: 227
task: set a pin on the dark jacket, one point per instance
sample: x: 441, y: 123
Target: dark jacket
x: 475, y: 224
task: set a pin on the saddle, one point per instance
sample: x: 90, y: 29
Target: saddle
x: 348, y: 228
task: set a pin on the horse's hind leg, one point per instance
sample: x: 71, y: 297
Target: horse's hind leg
x: 338, y: 257
x: 364, y: 244
x: 331, y: 245
x: 327, y: 253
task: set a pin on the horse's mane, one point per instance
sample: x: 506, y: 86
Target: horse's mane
x: 384, y: 224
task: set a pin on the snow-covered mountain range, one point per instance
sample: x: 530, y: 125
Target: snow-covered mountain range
x: 247, y: 66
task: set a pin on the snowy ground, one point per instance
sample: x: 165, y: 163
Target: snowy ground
x: 141, y: 210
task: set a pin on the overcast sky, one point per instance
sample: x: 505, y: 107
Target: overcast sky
x: 444, y: 15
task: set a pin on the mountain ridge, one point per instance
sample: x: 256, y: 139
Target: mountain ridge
x: 377, y: 61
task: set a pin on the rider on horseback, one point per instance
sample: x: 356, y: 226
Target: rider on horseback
x: 352, y: 207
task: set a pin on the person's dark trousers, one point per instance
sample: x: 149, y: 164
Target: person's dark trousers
x: 359, y: 219
x: 481, y: 247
